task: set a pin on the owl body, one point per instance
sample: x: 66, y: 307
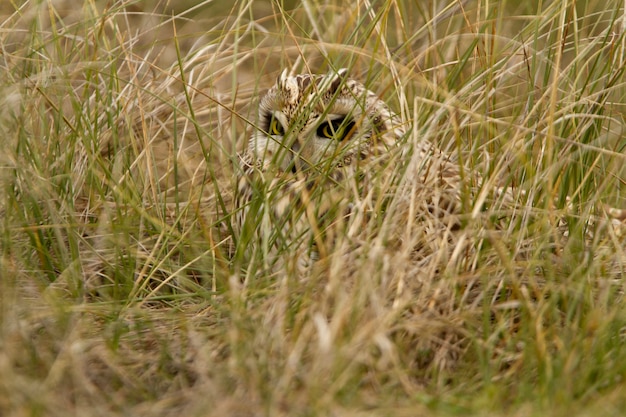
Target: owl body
x: 319, y: 144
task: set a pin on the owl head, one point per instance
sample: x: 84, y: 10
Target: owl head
x: 316, y: 123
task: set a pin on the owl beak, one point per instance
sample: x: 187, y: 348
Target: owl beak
x: 295, y: 147
x: 295, y: 151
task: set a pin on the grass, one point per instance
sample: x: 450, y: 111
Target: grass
x: 118, y: 291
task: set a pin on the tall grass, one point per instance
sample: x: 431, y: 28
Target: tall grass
x: 120, y: 290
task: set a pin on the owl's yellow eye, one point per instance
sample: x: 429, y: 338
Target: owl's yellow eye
x: 327, y: 131
x: 276, y: 128
x: 335, y: 129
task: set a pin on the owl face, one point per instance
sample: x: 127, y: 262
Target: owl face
x: 312, y: 123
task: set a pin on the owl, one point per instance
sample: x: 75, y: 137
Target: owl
x: 319, y: 145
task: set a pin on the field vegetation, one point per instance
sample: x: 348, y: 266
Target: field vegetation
x: 124, y: 292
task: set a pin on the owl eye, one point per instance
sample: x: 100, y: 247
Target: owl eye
x: 337, y: 129
x: 276, y: 128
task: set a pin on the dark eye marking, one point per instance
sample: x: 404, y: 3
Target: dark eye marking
x: 338, y: 129
x: 275, y: 127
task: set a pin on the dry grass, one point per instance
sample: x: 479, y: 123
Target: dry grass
x: 118, y: 292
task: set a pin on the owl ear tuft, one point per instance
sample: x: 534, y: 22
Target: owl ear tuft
x: 338, y: 79
x: 282, y: 77
x: 288, y: 87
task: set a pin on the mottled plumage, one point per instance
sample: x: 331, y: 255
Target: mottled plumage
x: 318, y: 143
